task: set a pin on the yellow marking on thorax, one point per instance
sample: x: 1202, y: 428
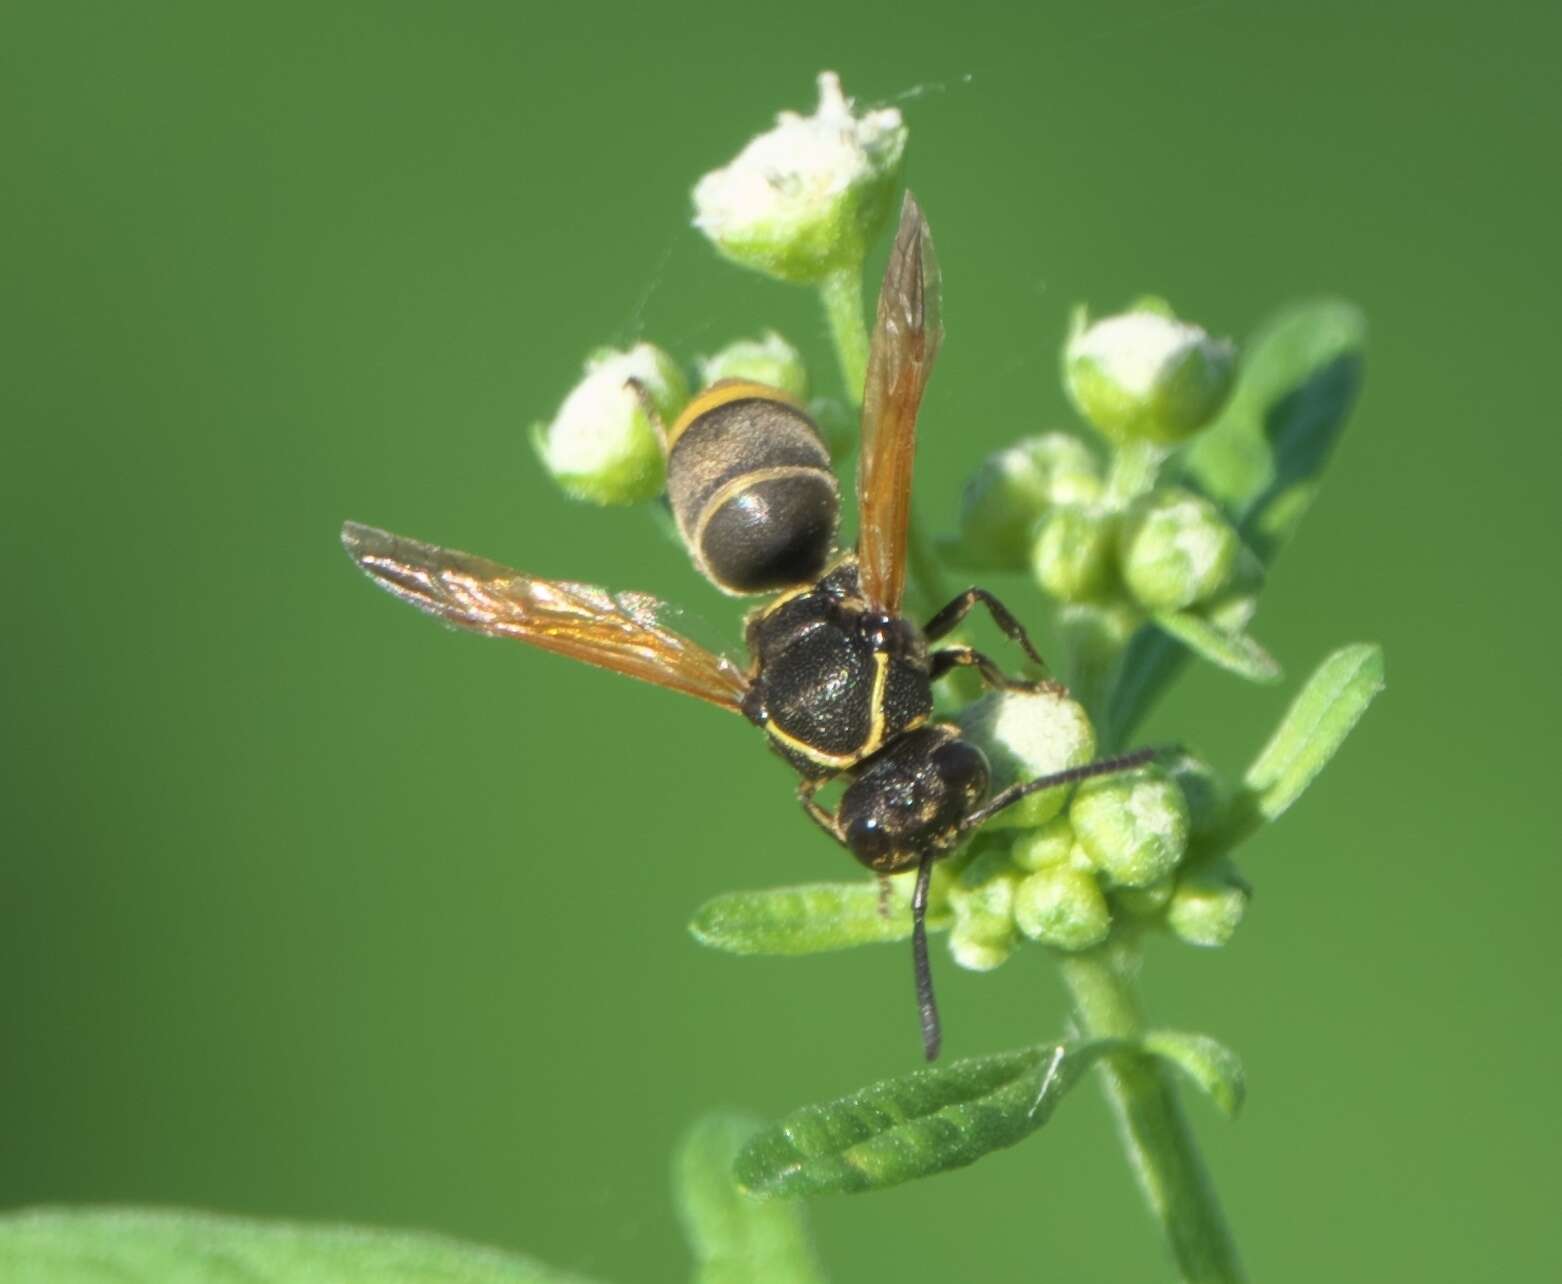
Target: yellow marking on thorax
x: 723, y: 393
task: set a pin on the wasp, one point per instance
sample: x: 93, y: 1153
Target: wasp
x: 839, y: 680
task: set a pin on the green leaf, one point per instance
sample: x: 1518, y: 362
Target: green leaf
x: 1212, y: 1067
x: 1314, y: 728
x: 736, y: 1239
x: 1299, y: 379
x: 808, y: 919
x: 926, y: 1122
x: 139, y: 1246
x: 1235, y: 652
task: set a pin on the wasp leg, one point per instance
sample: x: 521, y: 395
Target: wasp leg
x: 806, y: 789
x: 959, y: 657
x: 962, y: 606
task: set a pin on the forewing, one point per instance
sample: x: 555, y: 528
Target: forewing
x: 619, y: 631
x: 906, y: 336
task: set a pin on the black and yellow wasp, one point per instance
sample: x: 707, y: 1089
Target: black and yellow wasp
x: 838, y: 679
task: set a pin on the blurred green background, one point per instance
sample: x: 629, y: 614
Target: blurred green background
x: 311, y: 909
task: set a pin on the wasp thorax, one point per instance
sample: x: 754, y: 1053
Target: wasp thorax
x: 911, y: 798
x: 751, y: 487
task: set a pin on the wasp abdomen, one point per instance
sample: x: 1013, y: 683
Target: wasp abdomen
x: 751, y: 487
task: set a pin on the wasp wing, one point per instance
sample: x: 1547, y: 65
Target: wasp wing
x: 619, y: 631
x: 906, y: 336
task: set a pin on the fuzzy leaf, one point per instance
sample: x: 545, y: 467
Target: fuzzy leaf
x: 807, y: 919
x: 736, y: 1239
x: 926, y: 1122
x: 1314, y: 727
x: 140, y: 1246
x: 1234, y: 652
x: 1211, y: 1066
x: 1299, y: 379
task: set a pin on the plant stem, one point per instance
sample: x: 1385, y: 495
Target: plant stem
x: 1134, y: 469
x: 841, y: 293
x: 1155, y: 1134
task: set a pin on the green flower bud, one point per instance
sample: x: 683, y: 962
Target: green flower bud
x: 1073, y: 556
x: 807, y: 197
x: 1176, y: 549
x: 1013, y: 487
x: 602, y: 445
x: 1232, y: 608
x: 769, y: 360
x: 1064, y: 907
x: 1145, y: 376
x: 1145, y: 902
x: 1133, y: 826
x: 1044, y: 847
x: 1026, y: 735
x: 983, y: 902
x: 1208, y: 903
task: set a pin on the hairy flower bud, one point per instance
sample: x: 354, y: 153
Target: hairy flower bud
x: 1047, y: 845
x: 1133, y: 826
x: 1062, y: 906
x: 1073, y: 555
x: 1026, y: 735
x: 1208, y: 903
x: 982, y: 899
x: 601, y: 445
x: 1176, y: 549
x: 1145, y: 376
x: 769, y: 360
x: 807, y: 197
x: 1013, y: 487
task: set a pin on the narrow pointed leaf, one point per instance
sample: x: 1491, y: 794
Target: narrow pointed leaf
x: 807, y: 919
x: 141, y: 1246
x: 1212, y: 1067
x: 1314, y: 727
x: 1235, y: 652
x: 735, y: 1238
x: 926, y: 1122
x: 1299, y: 379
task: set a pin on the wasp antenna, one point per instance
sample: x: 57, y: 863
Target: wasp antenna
x: 1100, y: 767
x: 927, y: 1005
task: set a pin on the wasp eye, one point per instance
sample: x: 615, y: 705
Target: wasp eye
x: 868, y: 840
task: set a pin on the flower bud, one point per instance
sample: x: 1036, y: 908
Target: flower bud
x: 807, y: 197
x: 1064, y: 907
x: 769, y: 360
x: 983, y: 902
x: 1025, y: 735
x: 1013, y: 487
x: 1145, y: 902
x: 1208, y: 903
x: 1133, y: 826
x: 1176, y: 549
x: 601, y: 445
x: 1043, y: 847
x: 1145, y: 376
x: 1073, y: 555
x: 1201, y: 789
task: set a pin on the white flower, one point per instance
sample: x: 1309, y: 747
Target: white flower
x: 807, y: 196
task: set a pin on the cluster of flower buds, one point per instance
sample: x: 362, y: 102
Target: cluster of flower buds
x: 1146, y: 382
x: 1063, y: 865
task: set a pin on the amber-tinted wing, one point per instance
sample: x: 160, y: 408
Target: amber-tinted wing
x: 905, y: 341
x: 619, y: 631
